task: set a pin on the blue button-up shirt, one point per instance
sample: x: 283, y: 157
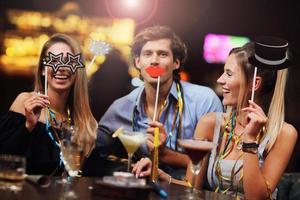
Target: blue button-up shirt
x: 198, y: 100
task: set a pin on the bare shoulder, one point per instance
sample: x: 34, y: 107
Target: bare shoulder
x: 208, y: 118
x: 288, y: 131
x: 18, y: 104
x: 287, y: 136
x: 206, y: 125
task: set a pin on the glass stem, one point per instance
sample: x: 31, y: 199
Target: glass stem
x: 193, y: 179
x: 68, y: 192
x: 129, y: 161
x: 69, y: 179
x: 195, y: 172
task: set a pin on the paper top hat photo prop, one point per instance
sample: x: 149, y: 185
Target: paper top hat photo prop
x: 270, y: 53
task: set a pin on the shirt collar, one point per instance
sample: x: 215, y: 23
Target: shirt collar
x: 139, y: 104
x: 173, y: 91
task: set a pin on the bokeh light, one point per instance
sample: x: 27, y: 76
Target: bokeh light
x: 138, y: 10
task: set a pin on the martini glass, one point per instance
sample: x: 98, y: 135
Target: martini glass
x: 196, y: 149
x: 132, y: 141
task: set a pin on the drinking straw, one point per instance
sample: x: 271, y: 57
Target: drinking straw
x: 46, y: 80
x: 253, y: 83
x: 156, y: 98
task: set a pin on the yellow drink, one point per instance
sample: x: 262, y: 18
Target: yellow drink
x: 154, y: 170
x: 132, y: 142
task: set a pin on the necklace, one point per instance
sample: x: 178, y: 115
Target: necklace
x: 177, y: 119
x: 230, y: 141
x: 228, y: 135
x: 237, y: 141
x: 52, y: 123
x: 226, y: 183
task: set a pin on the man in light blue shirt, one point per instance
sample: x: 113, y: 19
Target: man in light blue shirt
x: 180, y: 104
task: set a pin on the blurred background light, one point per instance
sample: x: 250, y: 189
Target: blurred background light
x: 131, y: 4
x: 140, y: 11
x: 217, y: 47
x: 30, y: 29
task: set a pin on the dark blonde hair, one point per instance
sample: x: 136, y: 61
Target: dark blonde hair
x: 78, y: 100
x: 156, y: 33
x: 271, y: 92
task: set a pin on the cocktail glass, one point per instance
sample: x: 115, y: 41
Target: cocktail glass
x: 72, y: 154
x: 196, y: 149
x: 132, y: 141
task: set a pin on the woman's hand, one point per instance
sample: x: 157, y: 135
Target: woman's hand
x: 142, y: 168
x: 150, y: 136
x: 256, y: 120
x: 33, y: 106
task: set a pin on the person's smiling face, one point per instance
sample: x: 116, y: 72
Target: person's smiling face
x: 230, y: 81
x: 63, y: 79
x: 157, y: 53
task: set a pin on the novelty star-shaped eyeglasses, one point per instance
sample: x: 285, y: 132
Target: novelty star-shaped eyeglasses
x: 55, y: 61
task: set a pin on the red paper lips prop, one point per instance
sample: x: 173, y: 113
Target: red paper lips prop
x: 155, y: 71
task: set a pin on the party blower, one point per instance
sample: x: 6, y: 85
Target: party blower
x: 155, y: 72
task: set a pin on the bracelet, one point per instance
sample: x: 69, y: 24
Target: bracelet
x: 250, y: 144
x: 169, y: 176
x: 251, y: 147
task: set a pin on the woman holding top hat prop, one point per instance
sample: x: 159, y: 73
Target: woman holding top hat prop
x: 252, y: 143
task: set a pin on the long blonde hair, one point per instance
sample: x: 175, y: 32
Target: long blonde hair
x: 78, y: 100
x: 271, y: 91
x: 277, y: 107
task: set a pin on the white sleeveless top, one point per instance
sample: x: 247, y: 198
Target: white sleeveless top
x: 226, y: 166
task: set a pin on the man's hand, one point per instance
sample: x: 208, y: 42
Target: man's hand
x: 150, y: 136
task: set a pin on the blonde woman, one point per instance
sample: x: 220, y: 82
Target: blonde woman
x: 253, y: 144
x: 23, y: 129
